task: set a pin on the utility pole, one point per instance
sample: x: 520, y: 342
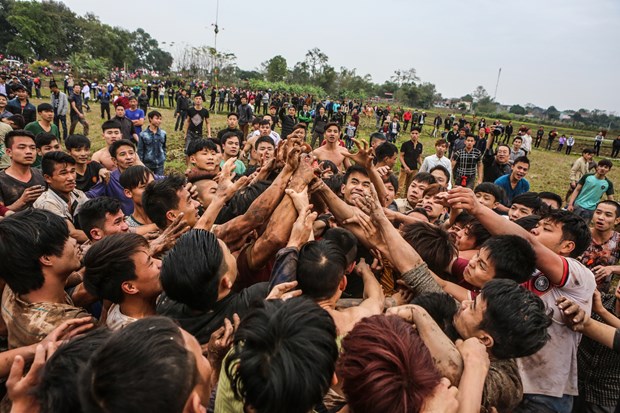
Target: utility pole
x: 497, y: 84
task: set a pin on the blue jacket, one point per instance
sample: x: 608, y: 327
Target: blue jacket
x: 152, y: 148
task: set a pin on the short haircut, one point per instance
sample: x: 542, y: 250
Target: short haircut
x: 517, y: 137
x: 441, y: 307
x: 516, y: 319
x: 528, y: 199
x: 9, y: 138
x: 134, y: 176
x: 416, y: 128
x: 45, y: 107
x: 605, y: 162
x: 153, y: 113
x: 512, y: 256
x: 425, y: 178
x: 191, y: 278
x: 198, y: 145
x: 56, y: 391
x: 432, y: 243
x: 42, y: 139
x: 330, y: 124
x: 300, y: 126
x: 262, y: 139
x: 440, y: 142
x: 77, y: 142
x: 119, y: 375
x: 111, y: 124
x: 386, y: 367
x: 235, y: 114
x: 392, y: 179
x: 330, y: 165
x: 161, y: 196
x: 613, y: 204
x: 433, y: 189
x: 528, y: 222
x: 51, y: 159
x: 552, y: 196
x: 353, y: 169
x: 377, y: 136
x: 522, y: 159
x: 92, y: 213
x: 345, y: 240
x: 574, y: 228
x: 265, y: 122
x: 587, y: 151
x: 266, y: 366
x: 490, y: 188
x: 116, y: 145
x: 227, y: 136
x: 320, y: 267
x: 386, y: 150
x: 477, y: 231
x: 109, y: 264
x: 19, y: 121
x: 25, y: 237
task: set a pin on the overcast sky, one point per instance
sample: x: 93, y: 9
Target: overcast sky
x: 552, y: 52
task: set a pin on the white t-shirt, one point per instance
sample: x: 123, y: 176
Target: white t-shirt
x: 86, y: 92
x: 527, y: 143
x: 117, y: 320
x: 552, y: 371
x: 432, y: 161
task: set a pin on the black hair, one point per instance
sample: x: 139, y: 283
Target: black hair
x: 44, y: 138
x: 320, y: 267
x: 56, y: 391
x: 353, y: 169
x: 345, y: 240
x: 528, y: 222
x: 109, y: 264
x: 385, y: 150
x: 19, y: 121
x: 10, y: 136
x: 330, y: 165
x: 154, y: 113
x: 425, y: 178
x: 119, y: 375
x: 475, y: 229
x: 522, y: 159
x: 283, y: 357
x: 235, y: 114
x: 432, y: 243
x: 605, y: 162
x: 442, y: 169
x: 264, y: 139
x: 330, y: 124
x: 512, y: 256
x: 552, y: 196
x: 92, y: 213
x: 111, y: 124
x: 134, y: 176
x: 51, y: 159
x: 492, y: 189
x: 574, y: 228
x: 25, y: 237
x: 116, y: 145
x: 160, y: 196
x: 191, y: 271
x: 516, y: 319
x: 441, y: 307
x: 334, y: 183
x: 377, y: 135
x: 391, y: 178
x: 227, y: 136
x: 528, y: 199
x: 612, y: 203
x: 198, y: 145
x: 77, y: 142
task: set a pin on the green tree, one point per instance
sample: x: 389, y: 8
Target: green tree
x: 552, y: 113
x: 480, y: 93
x: 300, y: 73
x: 275, y: 68
x: 467, y: 98
x: 517, y: 110
x: 316, y: 60
x: 85, y: 65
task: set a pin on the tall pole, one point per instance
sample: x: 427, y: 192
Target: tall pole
x: 497, y: 84
x: 216, y: 30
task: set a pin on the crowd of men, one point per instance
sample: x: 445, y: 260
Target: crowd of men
x: 292, y: 269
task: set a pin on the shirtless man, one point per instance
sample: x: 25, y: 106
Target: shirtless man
x: 332, y: 151
x: 111, y: 133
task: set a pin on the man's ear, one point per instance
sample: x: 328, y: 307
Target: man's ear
x: 48, y: 179
x: 343, y: 283
x: 486, y: 339
x: 194, y: 404
x: 566, y: 247
x: 96, y: 234
x: 171, y: 215
x: 129, y: 288
x: 127, y: 193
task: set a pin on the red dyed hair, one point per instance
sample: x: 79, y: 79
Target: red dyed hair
x: 385, y: 367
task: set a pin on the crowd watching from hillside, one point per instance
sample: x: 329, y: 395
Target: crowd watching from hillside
x: 307, y: 255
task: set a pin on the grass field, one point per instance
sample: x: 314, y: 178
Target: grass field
x: 549, y: 170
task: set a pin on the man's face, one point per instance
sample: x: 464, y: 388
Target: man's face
x: 602, y: 169
x: 305, y: 108
x: 415, y: 135
x: 468, y: 318
x: 486, y: 199
x: 265, y: 130
x: 265, y: 151
x: 188, y: 206
x: 81, y: 155
x: 516, y: 145
x: 3, y: 103
x: 206, y: 160
x: 390, y: 192
x: 480, y: 269
x: 232, y: 122
x: 63, y: 178
x: 357, y: 185
x: 291, y: 111
x: 469, y: 142
x: 125, y: 157
x: 272, y: 110
x: 299, y: 133
x: 206, y: 192
x: 605, y: 218
x: 112, y: 135
x: 415, y: 192
x: 204, y: 369
x: 503, y: 155
x: 390, y: 161
x: 147, y: 274
x: 155, y: 121
x: 519, y: 170
x: 440, y: 150
x: 77, y: 89
x: 332, y: 134
x: 113, y: 224
x: 549, y: 234
x: 22, y: 151
x: 136, y: 193
x: 231, y: 147
x: 588, y: 156
x: 120, y: 111
x: 198, y: 101
x: 462, y: 134
x: 47, y: 115
x: 433, y: 207
x: 517, y: 211
x: 440, y: 177
x: 69, y: 259
x: 322, y: 111
x: 133, y: 103
x: 53, y: 146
